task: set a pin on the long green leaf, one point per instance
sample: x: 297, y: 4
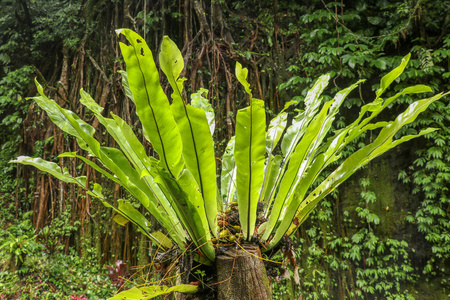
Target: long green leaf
x: 275, y: 130
x: 349, y: 167
x: 305, y: 152
x: 126, y: 85
x: 297, y: 166
x: 67, y: 121
x: 228, y: 174
x: 312, y: 103
x: 92, y: 164
x: 172, y: 64
x: 360, y: 125
x: 295, y: 132
x: 379, y: 106
x: 51, y: 168
x: 273, y: 171
x: 198, y: 146
x: 198, y: 150
x: 188, y: 203
x: 152, y: 105
x: 150, y: 292
x: 55, y: 170
x: 380, y: 145
x: 249, y: 156
x: 144, y: 188
x: 127, y: 211
x: 334, y: 146
x: 391, y: 76
x: 131, y: 179
x: 136, y: 147
x: 198, y: 101
x: 135, y: 152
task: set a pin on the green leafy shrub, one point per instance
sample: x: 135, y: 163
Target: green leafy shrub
x: 32, y: 270
x: 13, y: 108
x: 19, y: 243
x: 56, y: 276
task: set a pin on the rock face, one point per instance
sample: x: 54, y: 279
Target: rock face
x: 394, y: 200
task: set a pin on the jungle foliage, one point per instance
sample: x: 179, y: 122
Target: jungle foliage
x: 373, y: 236
x: 179, y: 190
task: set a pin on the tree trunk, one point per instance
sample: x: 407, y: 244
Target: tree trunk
x: 241, y: 274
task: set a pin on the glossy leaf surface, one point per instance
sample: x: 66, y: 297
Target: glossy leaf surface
x: 188, y: 203
x: 249, y: 156
x: 135, y: 152
x: 152, y: 105
x: 150, y: 292
x: 200, y: 101
x: 380, y: 145
x: 228, y: 175
x: 198, y: 146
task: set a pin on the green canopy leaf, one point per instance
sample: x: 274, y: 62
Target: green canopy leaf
x: 152, y: 105
x: 249, y: 156
x: 198, y: 146
x: 150, y: 292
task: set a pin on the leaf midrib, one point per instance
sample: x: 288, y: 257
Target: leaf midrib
x: 152, y: 111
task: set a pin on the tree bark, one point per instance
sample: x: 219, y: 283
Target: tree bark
x: 241, y: 274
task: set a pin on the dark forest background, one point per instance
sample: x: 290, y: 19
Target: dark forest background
x: 384, y: 234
